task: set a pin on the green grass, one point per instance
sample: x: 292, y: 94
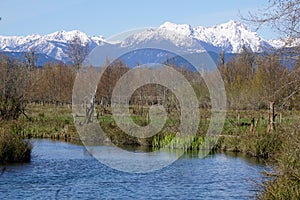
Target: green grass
x: 55, y: 122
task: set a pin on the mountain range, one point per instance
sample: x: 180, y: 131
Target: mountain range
x: 229, y: 37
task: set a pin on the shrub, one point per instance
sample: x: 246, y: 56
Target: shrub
x: 285, y: 179
x: 13, y: 148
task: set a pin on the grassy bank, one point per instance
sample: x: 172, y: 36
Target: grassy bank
x: 56, y: 122
x: 53, y: 122
x: 50, y: 121
x: 284, y: 182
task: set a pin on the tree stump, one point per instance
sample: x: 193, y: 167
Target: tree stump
x: 271, y: 120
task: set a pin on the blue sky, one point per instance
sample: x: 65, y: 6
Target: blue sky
x: 111, y: 17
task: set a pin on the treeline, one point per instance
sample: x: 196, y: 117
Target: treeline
x: 21, y: 84
x: 251, y: 81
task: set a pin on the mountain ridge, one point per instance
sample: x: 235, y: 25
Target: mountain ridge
x: 229, y: 37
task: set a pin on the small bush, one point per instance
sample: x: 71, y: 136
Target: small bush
x: 13, y: 148
x: 285, y: 181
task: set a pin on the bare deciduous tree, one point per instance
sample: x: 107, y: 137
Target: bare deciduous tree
x: 30, y: 59
x: 282, y: 15
x: 12, y: 89
x: 77, y: 51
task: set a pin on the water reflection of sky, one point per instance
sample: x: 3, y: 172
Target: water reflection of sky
x: 65, y: 171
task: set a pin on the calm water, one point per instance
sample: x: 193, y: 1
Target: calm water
x: 61, y: 170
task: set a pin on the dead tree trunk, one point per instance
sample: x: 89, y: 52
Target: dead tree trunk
x: 271, y: 120
x: 252, y: 125
x: 90, y: 112
x: 238, y: 120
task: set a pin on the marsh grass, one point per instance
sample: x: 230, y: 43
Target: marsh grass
x: 284, y: 181
x: 13, y: 148
x: 48, y: 121
x: 256, y: 143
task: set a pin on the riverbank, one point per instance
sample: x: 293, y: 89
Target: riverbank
x: 49, y: 121
x: 240, y: 134
x: 284, y: 182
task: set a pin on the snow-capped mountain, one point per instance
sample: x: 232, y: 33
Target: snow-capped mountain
x: 53, y: 45
x: 229, y: 37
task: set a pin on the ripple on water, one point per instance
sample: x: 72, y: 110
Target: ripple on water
x: 62, y: 170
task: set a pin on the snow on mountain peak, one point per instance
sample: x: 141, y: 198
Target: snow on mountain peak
x: 168, y: 34
x: 233, y: 24
x: 53, y: 44
x: 231, y: 37
x: 63, y: 36
x: 183, y: 29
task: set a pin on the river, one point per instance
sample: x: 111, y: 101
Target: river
x: 60, y: 170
